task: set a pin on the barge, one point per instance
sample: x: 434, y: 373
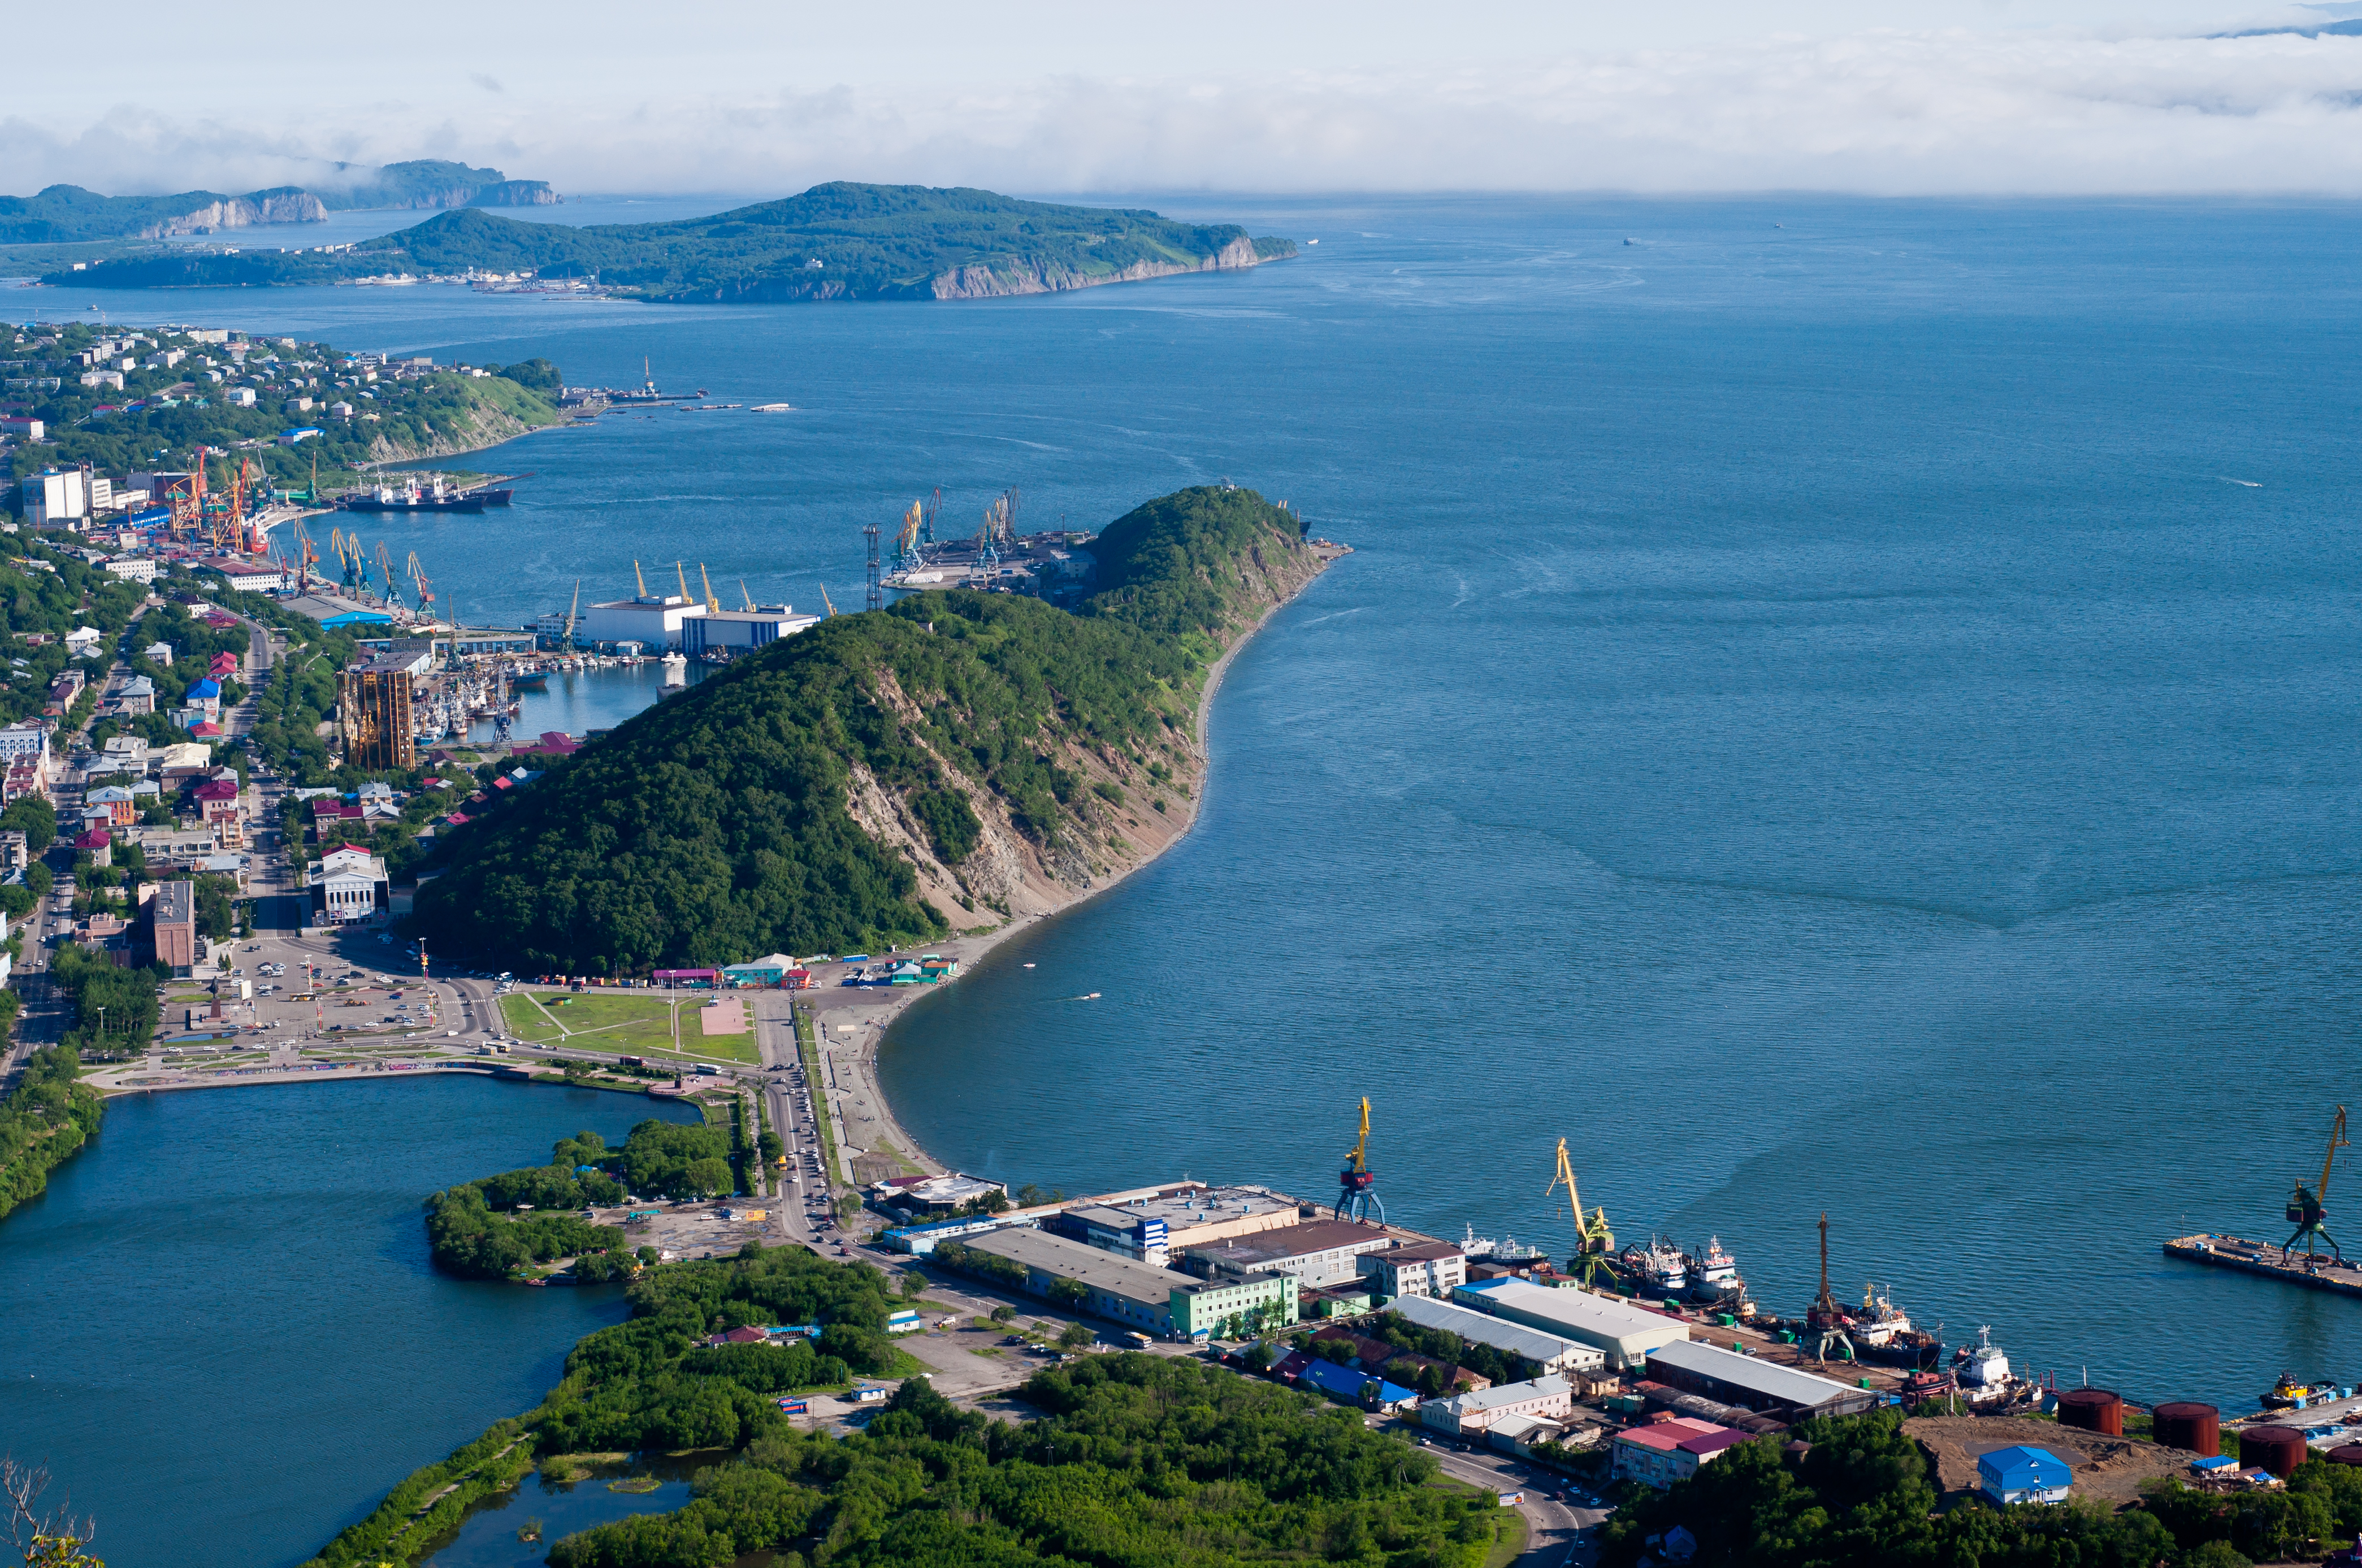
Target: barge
x: 2315, y: 1273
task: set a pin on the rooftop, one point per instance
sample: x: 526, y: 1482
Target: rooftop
x: 1186, y: 1206
x: 1501, y: 1394
x: 176, y: 903
x: 1499, y: 1332
x: 1101, y: 1270
x: 1287, y: 1242
x: 1785, y: 1384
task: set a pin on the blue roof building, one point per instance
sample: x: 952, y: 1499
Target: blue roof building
x: 205, y: 689
x: 2023, y: 1474
x: 1345, y: 1383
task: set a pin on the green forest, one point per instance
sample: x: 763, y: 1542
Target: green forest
x: 65, y: 213
x: 1864, y: 1496
x: 716, y: 827
x: 46, y: 1120
x: 1125, y: 1459
x: 468, y: 1235
x: 837, y: 241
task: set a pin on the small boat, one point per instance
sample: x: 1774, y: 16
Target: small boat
x: 775, y: 408
x: 675, y: 669
x: 2288, y: 1394
x: 1981, y: 1370
x: 1883, y: 1334
x: 534, y: 680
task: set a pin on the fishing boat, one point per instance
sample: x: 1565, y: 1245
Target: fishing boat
x: 1507, y: 1250
x: 2288, y: 1394
x: 1883, y: 1334
x: 1713, y: 1277
x: 1660, y: 1270
x: 1981, y: 1370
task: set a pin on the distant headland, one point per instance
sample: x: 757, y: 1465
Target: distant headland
x: 838, y: 241
x: 67, y: 214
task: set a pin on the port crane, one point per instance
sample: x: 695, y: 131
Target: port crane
x: 1592, y: 1240
x: 824, y: 602
x: 906, y: 544
x: 419, y: 580
x: 1357, y: 1182
x: 2307, y: 1208
x: 566, y: 641
x: 746, y: 596
x: 927, y: 523
x: 1825, y: 1320
x: 712, y: 605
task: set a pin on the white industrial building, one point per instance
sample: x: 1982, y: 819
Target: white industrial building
x: 1625, y: 1335
x: 55, y: 497
x: 1546, y: 1350
x: 652, y: 620
x: 1319, y: 1252
x: 1464, y: 1415
x: 741, y: 630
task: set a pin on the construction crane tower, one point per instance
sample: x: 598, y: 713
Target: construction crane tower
x: 2307, y: 1208
x: 1826, y: 1321
x: 574, y: 609
x: 712, y: 605
x: 1357, y: 1183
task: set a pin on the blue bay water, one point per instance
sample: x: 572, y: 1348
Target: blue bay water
x: 1855, y: 715
x: 227, y: 1340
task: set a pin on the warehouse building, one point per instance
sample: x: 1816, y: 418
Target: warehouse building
x: 1752, y: 1383
x: 740, y: 630
x: 1128, y: 1232
x: 1195, y: 1214
x: 652, y: 620
x: 1420, y: 1268
x: 1623, y: 1335
x: 1153, y: 1300
x: 1546, y: 1351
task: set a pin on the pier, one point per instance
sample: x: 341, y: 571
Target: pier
x: 2261, y: 1258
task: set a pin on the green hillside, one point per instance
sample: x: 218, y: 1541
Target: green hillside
x: 837, y: 241
x: 717, y: 825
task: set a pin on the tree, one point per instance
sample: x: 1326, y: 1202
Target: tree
x: 709, y: 1176
x: 1073, y: 1336
x: 1004, y: 1314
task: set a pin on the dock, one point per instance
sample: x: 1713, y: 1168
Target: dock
x: 2261, y: 1258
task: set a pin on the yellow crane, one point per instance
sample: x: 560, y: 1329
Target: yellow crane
x: 385, y: 574
x: 572, y: 609
x: 418, y: 577
x: 906, y: 542
x: 712, y: 605
x: 824, y: 602
x: 1592, y: 1240
x: 2308, y: 1209
x: 1357, y: 1181
x: 744, y: 595
x: 637, y: 579
x: 682, y: 572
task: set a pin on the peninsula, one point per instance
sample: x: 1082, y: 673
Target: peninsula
x: 838, y: 241
x: 958, y: 761
x: 64, y: 215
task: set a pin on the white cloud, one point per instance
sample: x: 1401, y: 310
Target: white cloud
x: 1887, y: 112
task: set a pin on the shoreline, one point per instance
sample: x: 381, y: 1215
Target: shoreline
x: 849, y: 1060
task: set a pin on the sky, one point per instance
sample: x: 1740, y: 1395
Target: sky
x: 1049, y: 96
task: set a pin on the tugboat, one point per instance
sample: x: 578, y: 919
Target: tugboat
x: 1884, y: 1335
x: 2288, y: 1394
x: 1714, y: 1278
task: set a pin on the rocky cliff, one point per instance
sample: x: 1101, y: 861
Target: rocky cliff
x: 285, y: 206
x: 986, y: 282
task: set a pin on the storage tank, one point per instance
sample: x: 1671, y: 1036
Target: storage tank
x: 2092, y: 1409
x: 2277, y: 1449
x: 2186, y: 1423
x: 2345, y: 1453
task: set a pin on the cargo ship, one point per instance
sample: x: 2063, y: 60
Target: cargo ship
x: 2314, y: 1272
x: 433, y: 496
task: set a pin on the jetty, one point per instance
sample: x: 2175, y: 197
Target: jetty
x: 2314, y: 1272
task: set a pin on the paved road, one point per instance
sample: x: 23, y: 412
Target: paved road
x: 1557, y: 1532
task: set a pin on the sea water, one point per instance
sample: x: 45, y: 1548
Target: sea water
x: 1836, y: 706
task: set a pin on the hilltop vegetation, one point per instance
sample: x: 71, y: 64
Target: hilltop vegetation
x: 45, y: 1121
x: 65, y: 215
x: 838, y: 241
x: 762, y: 811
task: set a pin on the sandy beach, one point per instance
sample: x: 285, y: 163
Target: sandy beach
x: 853, y: 1022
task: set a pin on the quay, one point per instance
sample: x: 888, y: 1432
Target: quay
x: 2260, y: 1257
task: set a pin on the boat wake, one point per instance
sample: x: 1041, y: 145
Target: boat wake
x: 2251, y: 484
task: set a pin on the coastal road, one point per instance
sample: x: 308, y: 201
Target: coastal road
x: 1557, y: 1532
x: 805, y: 1191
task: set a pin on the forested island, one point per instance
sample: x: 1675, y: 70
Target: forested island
x: 838, y: 241
x: 64, y: 214
x: 881, y: 777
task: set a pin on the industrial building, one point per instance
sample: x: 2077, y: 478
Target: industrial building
x: 1623, y: 1335
x: 1546, y: 1350
x: 652, y: 620
x: 1421, y: 1268
x: 1154, y: 1300
x: 373, y: 710
x: 1366, y: 1388
x: 735, y: 631
x: 1195, y: 1214
x: 1751, y: 1383
x: 1321, y: 1253
x: 1126, y: 1232
x: 1463, y: 1415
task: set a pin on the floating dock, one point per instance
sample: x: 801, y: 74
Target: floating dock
x: 2260, y: 1257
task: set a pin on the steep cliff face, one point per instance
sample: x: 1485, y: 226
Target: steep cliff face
x: 281, y: 206
x: 515, y: 193
x: 987, y: 282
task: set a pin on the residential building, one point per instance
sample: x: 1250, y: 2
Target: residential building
x: 101, y: 845
x: 133, y: 568
x: 217, y: 801
x: 1434, y: 1269
x: 25, y: 743
x: 173, y: 915
x: 24, y: 776
x: 239, y: 397
x: 1466, y: 1414
x: 84, y: 640
x: 137, y: 696
x: 348, y: 884
x: 23, y: 426
x: 121, y: 808
x: 1355, y: 1387
x: 159, y: 653
x: 124, y: 755
x: 1753, y: 1384
x: 15, y: 853
x: 373, y: 709
x: 67, y: 687
x: 1665, y: 1452
x: 1625, y: 1335
x: 205, y: 696
x: 2023, y: 1474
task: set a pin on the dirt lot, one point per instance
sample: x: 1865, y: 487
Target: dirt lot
x: 2108, y: 1468
x: 691, y: 1230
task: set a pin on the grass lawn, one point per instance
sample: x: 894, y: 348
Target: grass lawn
x: 627, y: 1025
x: 1508, y: 1540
